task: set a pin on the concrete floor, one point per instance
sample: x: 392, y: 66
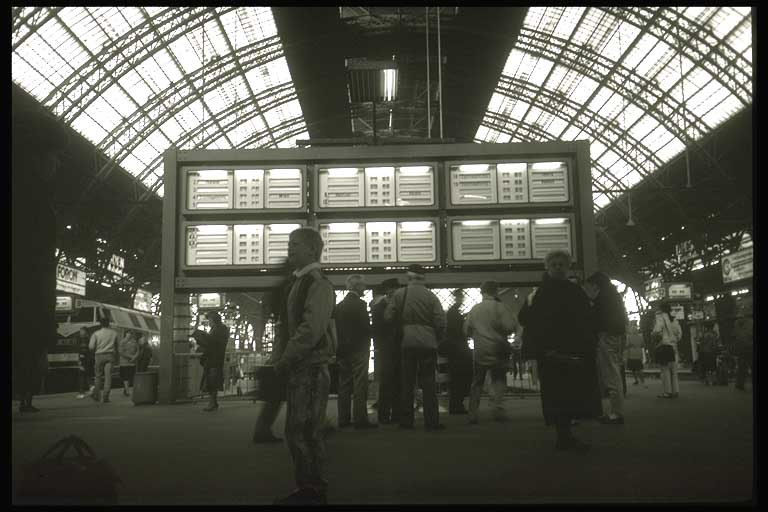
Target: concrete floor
x: 698, y: 448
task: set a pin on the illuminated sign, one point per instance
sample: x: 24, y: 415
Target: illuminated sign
x: 143, y: 300
x: 116, y: 265
x: 654, y: 290
x: 737, y: 266
x: 209, y: 301
x: 65, y: 304
x: 679, y: 290
x: 70, y: 280
x: 678, y: 312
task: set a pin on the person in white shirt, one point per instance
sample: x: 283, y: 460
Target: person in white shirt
x: 489, y: 324
x: 666, y: 351
x: 104, y: 343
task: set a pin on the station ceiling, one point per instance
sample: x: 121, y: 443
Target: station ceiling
x: 641, y: 83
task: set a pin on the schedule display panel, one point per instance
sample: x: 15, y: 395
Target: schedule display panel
x: 244, y: 189
x: 376, y: 186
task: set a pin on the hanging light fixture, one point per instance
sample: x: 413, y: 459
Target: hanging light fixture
x: 630, y: 222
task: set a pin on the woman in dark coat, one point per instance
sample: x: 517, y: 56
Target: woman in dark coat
x: 214, y: 345
x: 559, y: 332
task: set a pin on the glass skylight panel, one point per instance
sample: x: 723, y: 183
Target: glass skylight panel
x: 89, y: 128
x: 119, y: 101
x: 741, y: 37
x: 600, y: 200
x: 519, y: 110
x: 133, y: 165
x: 103, y: 111
x: 159, y: 141
x: 258, y: 23
x: 643, y: 127
x: 568, y: 22
x: 28, y: 78
x: 724, y: 20
x: 167, y: 64
x: 188, y: 58
x: 153, y: 75
x: 556, y: 126
x: 673, y: 148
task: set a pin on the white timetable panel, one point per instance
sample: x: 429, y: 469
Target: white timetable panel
x: 209, y: 189
x: 344, y: 242
x: 249, y: 244
x: 549, y: 235
x: 415, y: 186
x: 341, y: 187
x: 209, y: 245
x: 381, y: 241
x: 284, y: 188
x: 548, y: 182
x: 379, y: 186
x: 249, y: 188
x: 512, y: 182
x: 416, y: 241
x: 473, y: 184
x: 276, y: 242
x: 515, y: 239
x: 475, y: 240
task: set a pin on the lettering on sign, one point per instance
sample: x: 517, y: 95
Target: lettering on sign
x: 70, y: 280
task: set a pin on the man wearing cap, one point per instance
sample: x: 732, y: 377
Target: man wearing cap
x: 354, y: 350
x: 423, y: 322
x: 386, y: 343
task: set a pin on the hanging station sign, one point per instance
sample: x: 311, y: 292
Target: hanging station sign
x: 654, y: 289
x: 65, y: 304
x: 210, y: 301
x: 679, y: 290
x: 737, y: 266
x: 70, y: 280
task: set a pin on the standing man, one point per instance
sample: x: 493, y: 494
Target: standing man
x: 387, y: 352
x: 489, y: 324
x: 304, y: 359
x: 423, y: 322
x: 104, y: 344
x: 353, y: 354
x: 129, y: 351
x: 459, y: 356
x: 214, y: 344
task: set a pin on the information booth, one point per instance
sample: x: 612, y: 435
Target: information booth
x: 466, y: 212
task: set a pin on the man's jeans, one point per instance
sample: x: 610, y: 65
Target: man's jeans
x: 353, y: 379
x: 420, y: 362
x: 103, y: 368
x: 498, y: 388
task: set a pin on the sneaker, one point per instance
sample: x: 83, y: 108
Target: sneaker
x: 305, y: 496
x: 606, y: 420
x: 266, y: 438
x: 571, y: 444
x: 366, y: 425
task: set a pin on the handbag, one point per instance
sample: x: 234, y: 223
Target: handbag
x: 74, y: 480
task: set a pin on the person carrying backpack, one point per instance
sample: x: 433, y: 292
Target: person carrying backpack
x: 670, y: 333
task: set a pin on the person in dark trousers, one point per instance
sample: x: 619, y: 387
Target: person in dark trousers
x: 459, y: 356
x: 386, y: 343
x: 611, y: 321
x: 353, y: 353
x: 743, y: 343
x: 559, y: 330
x: 304, y: 359
x: 104, y: 344
x: 423, y: 322
x: 214, y: 344
x: 145, y: 354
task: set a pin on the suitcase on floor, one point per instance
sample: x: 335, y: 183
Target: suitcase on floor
x: 77, y: 479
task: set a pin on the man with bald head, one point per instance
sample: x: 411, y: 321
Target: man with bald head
x: 353, y: 353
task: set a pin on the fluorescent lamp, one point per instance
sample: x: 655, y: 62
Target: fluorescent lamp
x: 213, y: 174
x: 343, y: 227
x: 343, y: 172
x: 390, y: 83
x: 515, y: 221
x: 380, y: 171
x: 211, y: 229
x: 249, y: 228
x: 380, y: 226
x: 284, y: 173
x: 512, y: 167
x: 550, y: 221
x: 415, y: 226
x: 283, y: 228
x: 249, y: 173
x: 476, y: 223
x: 418, y: 170
x: 473, y: 168
x: 548, y: 165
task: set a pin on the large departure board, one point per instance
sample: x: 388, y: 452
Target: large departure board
x: 379, y: 242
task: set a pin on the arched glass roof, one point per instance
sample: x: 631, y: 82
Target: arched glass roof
x: 136, y: 80
x: 639, y: 82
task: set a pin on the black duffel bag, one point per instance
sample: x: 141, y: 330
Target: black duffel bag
x: 664, y: 354
x: 81, y: 479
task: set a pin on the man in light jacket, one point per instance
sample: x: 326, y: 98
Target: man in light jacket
x: 419, y: 312
x: 489, y: 324
x: 104, y: 343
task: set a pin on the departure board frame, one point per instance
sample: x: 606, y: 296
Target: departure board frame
x: 178, y: 280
